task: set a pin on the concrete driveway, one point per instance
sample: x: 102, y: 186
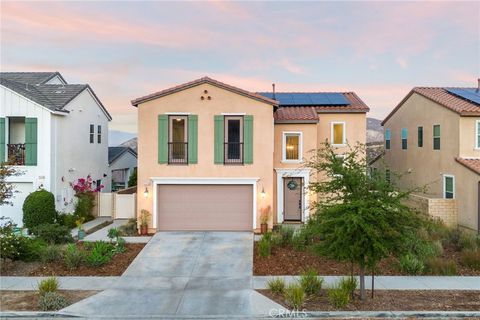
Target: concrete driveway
x: 184, y: 274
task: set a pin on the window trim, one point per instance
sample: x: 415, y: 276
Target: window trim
x: 388, y: 138
x: 404, y: 130
x: 344, y: 140
x: 420, y: 141
x: 92, y: 133
x: 284, y: 146
x: 439, y: 137
x: 476, y: 141
x: 226, y: 159
x: 444, y: 187
x: 170, y: 118
x: 99, y: 134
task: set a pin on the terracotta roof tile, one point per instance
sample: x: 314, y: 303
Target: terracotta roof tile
x: 296, y: 114
x: 444, y: 98
x: 200, y: 81
x: 471, y: 163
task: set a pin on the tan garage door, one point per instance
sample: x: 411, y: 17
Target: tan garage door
x: 205, y: 207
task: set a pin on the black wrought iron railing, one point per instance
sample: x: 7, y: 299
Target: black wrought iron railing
x: 16, y: 154
x: 178, y: 152
x: 233, y: 153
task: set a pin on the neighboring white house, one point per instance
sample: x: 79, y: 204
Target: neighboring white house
x: 54, y: 133
x: 122, y: 162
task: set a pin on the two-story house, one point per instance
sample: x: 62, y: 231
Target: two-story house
x: 212, y: 156
x: 54, y: 133
x: 432, y: 138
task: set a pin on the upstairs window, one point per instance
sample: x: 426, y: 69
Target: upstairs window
x: 436, y: 137
x: 338, y: 133
x: 477, y: 134
x: 420, y: 137
x: 448, y: 187
x: 404, y: 138
x: 233, y: 143
x: 387, y: 139
x: 292, y: 146
x: 92, y: 133
x: 178, y: 140
x: 99, y: 134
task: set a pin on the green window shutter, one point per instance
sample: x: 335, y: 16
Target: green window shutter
x: 218, y: 139
x: 31, y: 141
x: 2, y: 140
x: 248, y: 139
x: 192, y: 138
x: 162, y: 138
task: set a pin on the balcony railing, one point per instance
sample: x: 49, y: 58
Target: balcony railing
x: 233, y: 153
x: 178, y: 152
x: 16, y: 154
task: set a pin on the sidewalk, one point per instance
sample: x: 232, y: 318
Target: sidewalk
x: 259, y: 282
x: 394, y: 282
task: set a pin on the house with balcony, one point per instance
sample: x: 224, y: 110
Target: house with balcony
x: 432, y: 139
x: 212, y: 156
x: 54, y: 133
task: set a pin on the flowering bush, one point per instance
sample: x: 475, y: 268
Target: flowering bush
x: 85, y: 185
x: 10, y: 244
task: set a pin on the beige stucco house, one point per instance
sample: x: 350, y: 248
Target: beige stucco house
x: 212, y: 156
x: 432, y: 138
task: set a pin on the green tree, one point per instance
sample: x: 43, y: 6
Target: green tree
x: 360, y: 218
x: 7, y: 189
x: 132, y: 180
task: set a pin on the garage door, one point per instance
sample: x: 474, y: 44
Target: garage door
x: 22, y: 190
x: 204, y: 207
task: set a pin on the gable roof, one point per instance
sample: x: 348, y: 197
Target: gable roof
x: 308, y: 114
x: 51, y: 96
x: 441, y: 96
x: 471, y: 163
x: 31, y: 77
x: 198, y: 82
x: 116, y: 152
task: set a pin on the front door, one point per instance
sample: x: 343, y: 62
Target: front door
x: 292, y: 195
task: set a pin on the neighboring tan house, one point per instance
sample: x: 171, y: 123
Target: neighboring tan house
x: 211, y: 156
x: 122, y: 162
x: 433, y: 138
x: 54, y: 133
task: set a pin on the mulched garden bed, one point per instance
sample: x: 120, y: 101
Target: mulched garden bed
x: 395, y: 300
x: 287, y: 261
x: 28, y: 300
x: 115, y: 267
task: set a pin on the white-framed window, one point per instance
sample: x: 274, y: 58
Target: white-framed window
x: 448, y: 186
x: 338, y: 134
x: 92, y: 133
x: 388, y: 136
x: 477, y: 134
x: 292, y: 146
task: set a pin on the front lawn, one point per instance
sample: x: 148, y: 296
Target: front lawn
x: 392, y: 300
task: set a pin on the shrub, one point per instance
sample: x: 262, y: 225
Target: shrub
x: 276, y: 285
x: 53, y: 233
x: 411, y: 265
x: 84, y: 206
x: 436, y: 229
x: 339, y: 297
x: 48, y: 285
x: 52, y: 301
x: 286, y: 234
x: 265, y: 245
x: 471, y: 258
x: 467, y: 241
x: 132, y: 180
x: 51, y: 253
x: 113, y: 233
x: 100, y: 254
x: 67, y: 220
x: 310, y: 282
x: 349, y: 284
x: 453, y: 237
x: 120, y: 245
x: 73, y: 257
x: 10, y: 245
x: 441, y: 266
x: 129, y: 229
x: 31, y: 249
x: 294, y: 295
x: 39, y: 208
x: 301, y: 239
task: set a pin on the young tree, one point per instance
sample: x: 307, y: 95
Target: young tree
x: 132, y: 180
x: 360, y: 218
x: 6, y: 188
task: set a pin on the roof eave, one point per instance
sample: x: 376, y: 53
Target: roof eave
x: 295, y: 121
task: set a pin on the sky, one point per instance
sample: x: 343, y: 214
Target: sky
x: 125, y: 50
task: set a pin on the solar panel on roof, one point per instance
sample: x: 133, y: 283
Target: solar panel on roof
x: 470, y: 94
x: 308, y: 99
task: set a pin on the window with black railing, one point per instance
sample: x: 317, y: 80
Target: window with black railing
x: 233, y: 145
x: 233, y: 152
x: 178, y: 152
x: 16, y: 154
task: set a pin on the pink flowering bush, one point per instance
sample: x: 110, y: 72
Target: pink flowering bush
x: 85, y: 185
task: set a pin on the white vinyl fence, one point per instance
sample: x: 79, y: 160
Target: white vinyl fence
x: 116, y: 205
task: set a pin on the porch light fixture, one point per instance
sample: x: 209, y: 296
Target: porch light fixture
x: 145, y: 193
x: 263, y: 194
